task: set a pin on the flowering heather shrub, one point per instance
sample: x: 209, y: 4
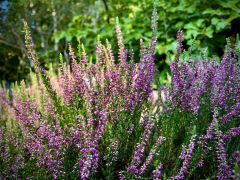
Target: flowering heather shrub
x: 192, y: 81
x: 67, y: 123
x: 198, y: 90
x: 95, y: 120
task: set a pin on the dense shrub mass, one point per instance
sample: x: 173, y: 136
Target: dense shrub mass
x: 101, y: 121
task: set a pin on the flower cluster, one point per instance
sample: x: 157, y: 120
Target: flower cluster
x: 186, y: 156
x: 197, y: 85
x: 137, y: 167
x: 192, y: 81
x: 225, y: 171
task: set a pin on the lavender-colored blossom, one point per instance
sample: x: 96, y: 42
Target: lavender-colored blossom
x: 122, y: 51
x: 236, y: 157
x: 237, y: 154
x: 133, y: 169
x: 232, y: 114
x: 71, y: 53
x: 201, y: 163
x: 183, y: 152
x: 226, y: 84
x: 213, y: 125
x: 187, y: 158
x: 224, y: 170
x: 233, y: 132
x: 180, y: 44
x: 157, y: 173
x: 191, y: 80
x: 151, y: 155
x: 121, y: 176
x: 89, y: 162
x: 140, y: 148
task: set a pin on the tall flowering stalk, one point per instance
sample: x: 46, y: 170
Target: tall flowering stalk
x: 224, y: 170
x: 186, y: 156
x: 137, y: 166
x: 140, y: 149
x: 151, y: 155
x: 157, y: 173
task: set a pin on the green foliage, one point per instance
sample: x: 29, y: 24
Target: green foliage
x: 209, y: 23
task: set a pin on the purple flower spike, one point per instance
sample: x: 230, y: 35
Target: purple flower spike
x: 224, y: 170
x: 188, y: 156
x: 157, y: 173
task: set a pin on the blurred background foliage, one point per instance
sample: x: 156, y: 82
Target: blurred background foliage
x: 55, y: 23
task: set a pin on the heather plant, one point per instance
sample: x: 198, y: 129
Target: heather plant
x: 99, y: 120
x: 87, y: 120
x: 202, y: 96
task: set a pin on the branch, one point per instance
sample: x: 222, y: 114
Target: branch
x: 9, y: 44
x: 106, y: 7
